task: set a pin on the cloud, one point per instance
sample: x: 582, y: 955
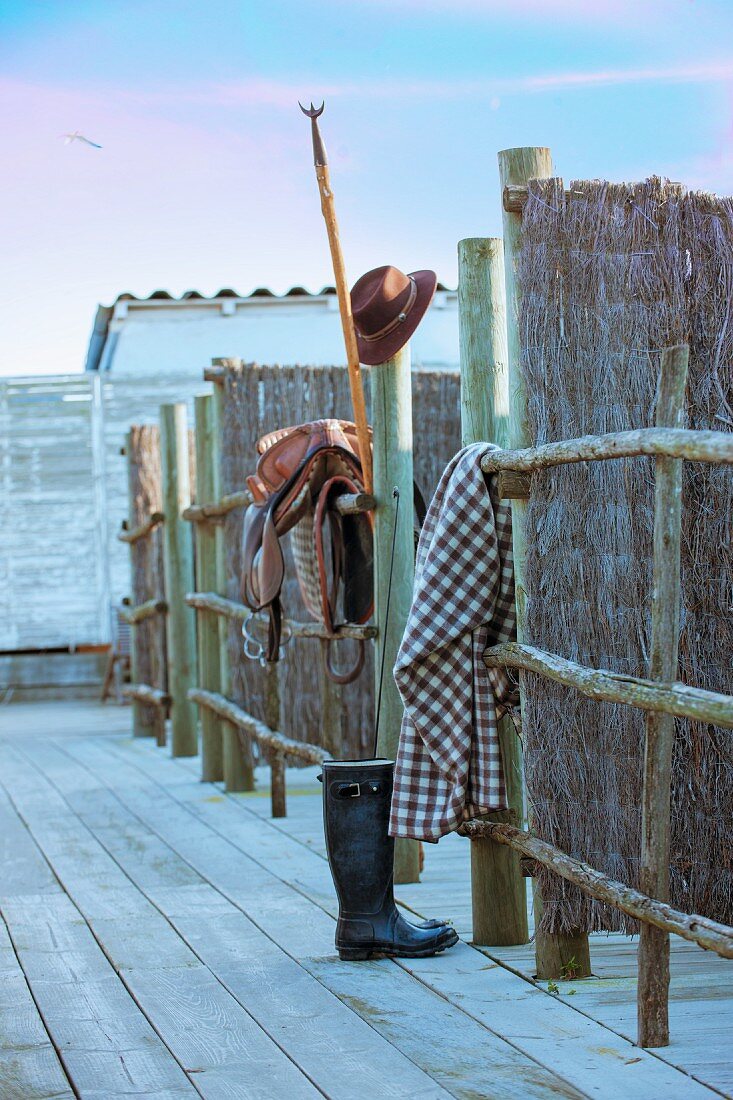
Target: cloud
x: 256, y: 93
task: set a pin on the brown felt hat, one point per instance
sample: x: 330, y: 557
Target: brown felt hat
x: 388, y: 306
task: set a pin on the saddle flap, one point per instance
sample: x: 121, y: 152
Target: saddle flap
x: 263, y: 565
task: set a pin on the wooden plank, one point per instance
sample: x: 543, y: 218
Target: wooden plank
x: 29, y: 1063
x: 468, y: 1057
x: 207, y: 1031
x: 107, y: 1045
x: 499, y: 891
x: 391, y: 385
x: 178, y: 554
x: 246, y: 961
x: 652, y: 996
x: 317, y: 885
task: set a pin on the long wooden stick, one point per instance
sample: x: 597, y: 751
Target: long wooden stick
x: 653, y: 988
x: 328, y: 209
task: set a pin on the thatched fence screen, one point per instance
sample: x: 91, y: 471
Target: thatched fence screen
x: 256, y: 401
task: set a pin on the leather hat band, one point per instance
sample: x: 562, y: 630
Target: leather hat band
x: 396, y: 321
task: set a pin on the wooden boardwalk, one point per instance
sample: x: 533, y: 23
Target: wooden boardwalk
x: 161, y: 939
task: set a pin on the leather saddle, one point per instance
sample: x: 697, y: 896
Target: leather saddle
x: 300, y: 472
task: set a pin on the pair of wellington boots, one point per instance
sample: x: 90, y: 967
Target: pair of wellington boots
x: 356, y: 803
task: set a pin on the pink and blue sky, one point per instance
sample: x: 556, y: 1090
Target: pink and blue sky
x: 205, y: 179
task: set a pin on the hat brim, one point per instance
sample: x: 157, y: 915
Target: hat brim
x: 373, y: 352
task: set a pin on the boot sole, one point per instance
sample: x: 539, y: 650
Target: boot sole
x: 360, y: 954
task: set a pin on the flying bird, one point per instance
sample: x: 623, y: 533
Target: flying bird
x: 76, y: 136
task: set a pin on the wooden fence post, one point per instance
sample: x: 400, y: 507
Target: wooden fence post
x: 391, y: 385
x: 653, y: 988
x: 237, y: 762
x: 498, y: 890
x: 517, y: 167
x: 212, y: 768
x: 178, y: 555
x: 143, y: 717
x: 483, y: 341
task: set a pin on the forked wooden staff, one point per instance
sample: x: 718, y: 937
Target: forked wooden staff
x: 328, y: 210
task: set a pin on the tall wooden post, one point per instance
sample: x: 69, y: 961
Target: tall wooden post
x: 498, y: 891
x: 483, y: 341
x: 518, y: 166
x: 178, y: 556
x: 143, y: 718
x: 391, y: 384
x: 212, y: 768
x: 237, y: 763
x: 653, y: 989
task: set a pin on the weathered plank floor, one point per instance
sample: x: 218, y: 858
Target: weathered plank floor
x: 160, y: 938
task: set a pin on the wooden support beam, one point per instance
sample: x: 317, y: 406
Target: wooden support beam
x: 278, y: 801
x: 178, y: 555
x: 690, y: 926
x: 238, y: 761
x: 498, y: 888
x: 212, y: 766
x: 391, y: 384
x: 309, y: 754
x: 653, y: 988
x: 695, y: 446
x: 143, y: 693
x: 142, y: 530
x: 134, y: 615
x: 613, y: 687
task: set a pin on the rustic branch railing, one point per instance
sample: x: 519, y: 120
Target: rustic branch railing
x: 348, y: 504
x: 279, y: 745
x: 154, y: 697
x: 707, y: 933
x: 142, y: 530
x: 613, y: 687
x: 230, y: 609
x: 695, y: 446
x: 660, y: 696
x: 134, y: 615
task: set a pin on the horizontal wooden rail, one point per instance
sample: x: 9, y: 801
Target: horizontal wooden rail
x: 695, y: 446
x: 690, y: 926
x: 199, y: 513
x: 138, y: 614
x: 348, y: 504
x: 271, y: 739
x: 215, y: 374
x: 146, y: 694
x: 230, y: 609
x: 515, y: 197
x: 142, y: 530
x: 612, y: 687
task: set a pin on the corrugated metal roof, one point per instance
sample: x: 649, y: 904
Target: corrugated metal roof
x: 227, y: 292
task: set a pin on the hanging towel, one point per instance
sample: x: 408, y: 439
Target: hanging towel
x: 449, y: 766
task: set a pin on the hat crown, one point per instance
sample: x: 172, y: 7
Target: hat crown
x: 379, y: 297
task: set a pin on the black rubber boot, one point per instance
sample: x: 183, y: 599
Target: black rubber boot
x: 356, y: 802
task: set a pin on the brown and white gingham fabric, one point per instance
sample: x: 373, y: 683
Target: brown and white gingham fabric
x: 449, y: 766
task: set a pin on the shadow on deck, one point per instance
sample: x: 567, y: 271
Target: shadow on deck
x: 161, y: 939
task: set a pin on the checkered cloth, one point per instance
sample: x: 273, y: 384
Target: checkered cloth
x: 448, y: 766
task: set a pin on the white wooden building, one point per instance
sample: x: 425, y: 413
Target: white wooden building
x: 64, y: 480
